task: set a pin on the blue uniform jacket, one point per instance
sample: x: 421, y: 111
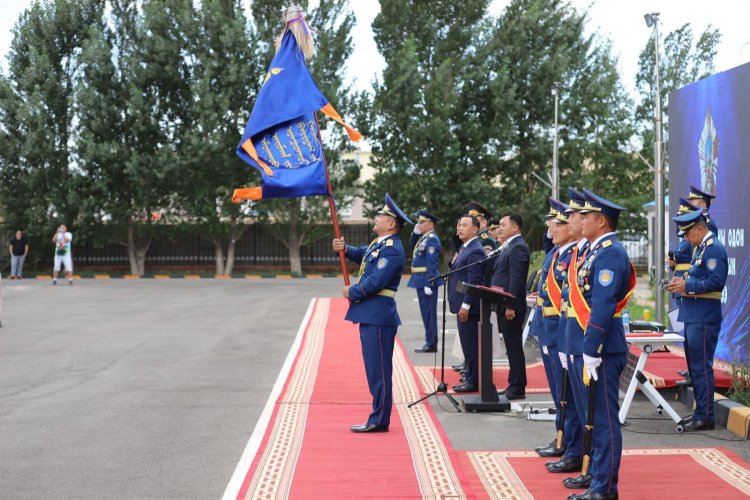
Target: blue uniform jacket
x: 426, y: 253
x: 538, y: 323
x: 564, y: 262
x: 552, y: 335
x: 708, y: 273
x: 605, y: 279
x: 472, y: 275
x: 383, y: 266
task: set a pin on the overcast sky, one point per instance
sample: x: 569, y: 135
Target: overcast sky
x: 619, y: 20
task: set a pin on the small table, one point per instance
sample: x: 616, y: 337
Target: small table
x: 647, y: 342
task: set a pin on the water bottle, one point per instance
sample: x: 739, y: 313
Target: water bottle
x: 626, y: 320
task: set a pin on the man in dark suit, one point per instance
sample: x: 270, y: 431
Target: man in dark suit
x: 510, y: 271
x: 465, y: 306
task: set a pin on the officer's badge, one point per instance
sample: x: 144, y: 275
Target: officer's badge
x: 605, y: 277
x: 711, y: 264
x: 431, y: 250
x: 389, y: 243
x: 382, y: 263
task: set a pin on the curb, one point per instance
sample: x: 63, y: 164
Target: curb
x: 731, y: 415
x: 189, y: 277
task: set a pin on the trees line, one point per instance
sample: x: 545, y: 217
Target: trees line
x: 128, y: 113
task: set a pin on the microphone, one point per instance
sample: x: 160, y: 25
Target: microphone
x: 497, y: 251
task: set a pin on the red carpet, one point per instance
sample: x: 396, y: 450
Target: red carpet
x: 305, y: 450
x: 704, y: 473
x: 308, y: 450
x: 661, y: 369
x: 535, y: 377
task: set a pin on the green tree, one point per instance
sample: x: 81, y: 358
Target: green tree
x: 222, y: 57
x: 542, y: 42
x: 426, y: 120
x: 38, y: 169
x: 132, y: 106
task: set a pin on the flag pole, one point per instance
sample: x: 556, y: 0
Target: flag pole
x: 332, y: 205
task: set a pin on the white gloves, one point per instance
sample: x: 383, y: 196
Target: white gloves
x: 417, y: 229
x: 590, y: 364
x: 563, y: 360
x: 427, y: 291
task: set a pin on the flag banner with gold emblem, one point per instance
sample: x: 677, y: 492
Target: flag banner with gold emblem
x: 281, y: 137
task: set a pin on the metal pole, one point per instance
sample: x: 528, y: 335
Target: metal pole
x: 658, y: 186
x: 555, y: 171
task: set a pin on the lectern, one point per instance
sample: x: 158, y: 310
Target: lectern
x: 488, y: 399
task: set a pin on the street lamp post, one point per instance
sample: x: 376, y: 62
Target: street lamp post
x: 652, y: 20
x: 555, y: 170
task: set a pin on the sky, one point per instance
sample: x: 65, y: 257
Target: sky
x: 621, y: 21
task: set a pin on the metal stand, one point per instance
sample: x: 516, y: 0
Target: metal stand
x: 442, y: 387
x: 639, y: 380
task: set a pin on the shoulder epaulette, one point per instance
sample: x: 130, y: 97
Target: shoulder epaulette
x: 389, y: 243
x: 710, y: 242
x: 607, y: 243
x: 431, y: 235
x: 484, y: 236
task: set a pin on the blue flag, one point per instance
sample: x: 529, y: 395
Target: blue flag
x: 281, y: 137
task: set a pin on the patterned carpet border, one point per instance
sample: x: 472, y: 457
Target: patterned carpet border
x: 501, y: 481
x: 275, y: 471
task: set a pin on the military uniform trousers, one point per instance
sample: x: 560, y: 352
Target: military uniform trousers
x: 701, y: 343
x: 428, y: 309
x: 573, y: 435
x: 552, y: 366
x: 606, y: 438
x: 377, y: 351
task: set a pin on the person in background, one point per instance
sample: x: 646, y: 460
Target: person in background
x: 18, y: 248
x: 425, y: 276
x: 700, y: 310
x: 63, y: 253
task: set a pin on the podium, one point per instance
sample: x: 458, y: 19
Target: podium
x: 488, y: 399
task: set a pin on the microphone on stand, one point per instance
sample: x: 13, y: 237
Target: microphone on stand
x: 496, y: 251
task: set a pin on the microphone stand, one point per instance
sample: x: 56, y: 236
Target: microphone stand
x: 442, y: 387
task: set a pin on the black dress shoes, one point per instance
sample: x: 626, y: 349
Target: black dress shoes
x: 592, y: 495
x: 458, y: 368
x: 566, y: 464
x: 687, y: 381
x: 579, y: 482
x: 686, y: 420
x: 426, y: 348
x: 513, y: 395
x: 551, y: 451
x: 369, y: 428
x: 538, y: 448
x: 682, y: 373
x: 699, y: 425
x: 465, y: 388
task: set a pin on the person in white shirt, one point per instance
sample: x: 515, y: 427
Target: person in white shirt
x: 63, y: 253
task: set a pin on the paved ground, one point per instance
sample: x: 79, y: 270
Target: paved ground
x: 151, y: 389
